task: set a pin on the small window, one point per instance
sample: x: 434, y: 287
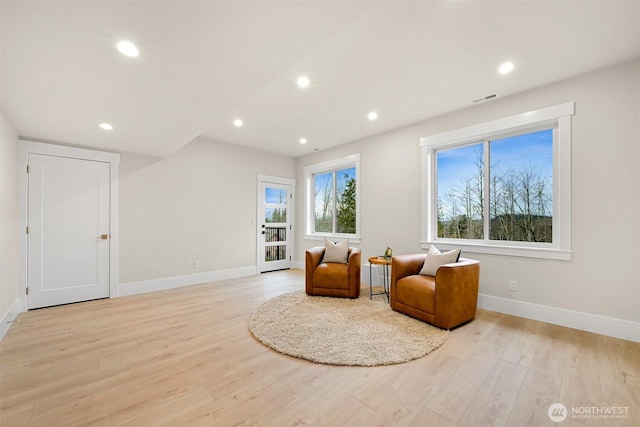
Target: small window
x: 332, y: 198
x: 502, y: 187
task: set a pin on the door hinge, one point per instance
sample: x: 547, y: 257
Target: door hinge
x: 290, y: 194
x: 27, y: 229
x: 290, y: 227
x: 27, y: 168
x: 27, y: 291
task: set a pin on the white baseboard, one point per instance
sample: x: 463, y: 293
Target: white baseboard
x: 133, y: 288
x: 8, y: 317
x: 617, y: 328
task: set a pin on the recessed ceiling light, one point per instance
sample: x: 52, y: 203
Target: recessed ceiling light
x: 238, y: 123
x: 106, y: 126
x: 128, y: 49
x: 303, y: 81
x: 372, y: 115
x: 505, y: 68
x: 303, y: 140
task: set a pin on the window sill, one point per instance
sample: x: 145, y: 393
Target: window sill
x: 352, y: 239
x: 503, y: 250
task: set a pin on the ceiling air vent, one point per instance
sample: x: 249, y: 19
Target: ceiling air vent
x: 485, y: 98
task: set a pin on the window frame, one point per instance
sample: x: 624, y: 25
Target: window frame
x: 333, y: 165
x: 557, y: 117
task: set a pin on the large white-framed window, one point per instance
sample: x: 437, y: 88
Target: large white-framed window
x: 501, y: 187
x: 332, y: 202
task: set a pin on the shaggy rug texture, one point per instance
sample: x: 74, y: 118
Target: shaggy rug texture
x: 342, y: 331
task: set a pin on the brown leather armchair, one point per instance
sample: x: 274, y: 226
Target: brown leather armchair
x: 446, y: 300
x: 332, y: 279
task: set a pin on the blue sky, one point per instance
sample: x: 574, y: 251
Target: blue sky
x: 275, y: 195
x: 533, y: 149
x: 522, y: 151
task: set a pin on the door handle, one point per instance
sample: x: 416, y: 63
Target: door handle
x: 103, y: 236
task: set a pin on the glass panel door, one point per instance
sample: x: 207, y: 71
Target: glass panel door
x: 275, y: 225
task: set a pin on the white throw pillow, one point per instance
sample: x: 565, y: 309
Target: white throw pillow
x: 436, y: 259
x: 336, y: 252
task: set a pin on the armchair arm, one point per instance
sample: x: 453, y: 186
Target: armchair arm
x: 403, y: 266
x: 353, y: 262
x: 313, y: 257
x: 457, y: 292
x: 406, y: 265
x: 354, y: 256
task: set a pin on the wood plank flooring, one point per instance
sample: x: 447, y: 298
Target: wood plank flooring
x: 185, y: 357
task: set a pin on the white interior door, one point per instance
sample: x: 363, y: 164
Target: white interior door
x: 274, y: 231
x: 68, y: 230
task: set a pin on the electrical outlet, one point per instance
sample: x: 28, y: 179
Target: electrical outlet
x: 513, y: 285
x: 196, y: 265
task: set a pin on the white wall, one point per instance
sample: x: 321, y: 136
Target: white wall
x: 602, y: 278
x: 8, y: 222
x: 197, y: 204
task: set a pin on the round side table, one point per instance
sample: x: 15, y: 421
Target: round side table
x: 385, y: 263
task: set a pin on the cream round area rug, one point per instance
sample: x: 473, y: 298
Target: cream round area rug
x: 342, y: 331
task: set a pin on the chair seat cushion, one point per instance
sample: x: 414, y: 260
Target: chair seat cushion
x: 331, y: 276
x: 417, y: 291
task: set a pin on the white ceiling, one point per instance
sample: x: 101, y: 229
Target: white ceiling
x: 203, y: 64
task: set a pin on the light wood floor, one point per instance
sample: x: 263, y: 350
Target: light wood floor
x: 185, y: 357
